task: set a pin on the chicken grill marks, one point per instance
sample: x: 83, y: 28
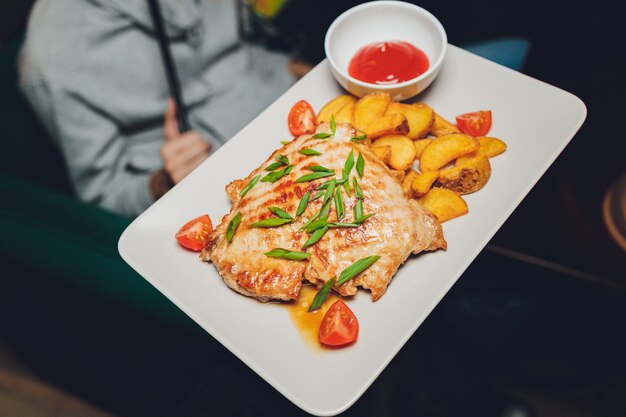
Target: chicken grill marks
x: 398, y: 227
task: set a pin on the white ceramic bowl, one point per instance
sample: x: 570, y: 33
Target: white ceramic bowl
x: 379, y: 21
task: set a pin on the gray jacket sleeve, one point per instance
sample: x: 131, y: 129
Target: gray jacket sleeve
x: 93, y: 147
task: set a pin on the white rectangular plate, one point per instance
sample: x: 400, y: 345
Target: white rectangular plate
x: 535, y: 119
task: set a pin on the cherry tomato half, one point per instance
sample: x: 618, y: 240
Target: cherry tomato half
x: 339, y: 326
x: 194, y: 233
x: 302, y: 119
x: 475, y: 124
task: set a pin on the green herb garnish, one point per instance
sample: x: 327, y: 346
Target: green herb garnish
x: 314, y: 176
x: 321, y: 295
x: 329, y: 191
x: 347, y: 168
x: 319, y: 168
x: 280, y: 161
x: 358, y: 209
x: 309, y: 152
x: 308, y: 222
x: 317, y: 224
x: 276, y: 175
x: 357, y: 188
x: 280, y: 213
x: 287, y: 254
x: 315, y: 237
x: 232, y: 227
x: 356, y: 268
x: 271, y: 222
x: 358, y: 138
x: 341, y: 224
x: 361, y: 219
x: 318, y: 195
x: 325, y: 210
x: 360, y: 165
x: 339, y: 206
x: 325, y: 185
x: 322, y: 135
x: 333, y: 125
x: 303, y: 203
x: 285, y: 142
x: 248, y: 187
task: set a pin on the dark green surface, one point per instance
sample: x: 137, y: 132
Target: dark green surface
x: 45, y: 227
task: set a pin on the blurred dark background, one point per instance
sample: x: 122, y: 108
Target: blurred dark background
x: 554, y: 348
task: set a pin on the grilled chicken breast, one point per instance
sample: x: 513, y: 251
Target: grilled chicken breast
x: 398, y: 227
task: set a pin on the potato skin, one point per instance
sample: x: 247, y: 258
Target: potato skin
x: 466, y: 177
x: 420, y: 119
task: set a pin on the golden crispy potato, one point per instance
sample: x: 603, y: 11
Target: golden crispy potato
x: 346, y: 113
x: 333, y: 107
x: 440, y: 125
x: 402, y: 151
x: 466, y: 176
x: 423, y: 182
x: 489, y: 147
x: 383, y: 152
x: 407, y: 183
x: 393, y: 124
x: 444, y: 203
x: 420, y: 145
x: 369, y: 109
x: 445, y: 149
x: 420, y: 118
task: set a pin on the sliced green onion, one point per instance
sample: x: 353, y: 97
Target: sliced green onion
x: 356, y: 268
x: 272, y: 222
x: 358, y: 138
x: 333, y: 125
x: 308, y: 222
x: 341, y: 224
x: 282, y: 158
x: 339, y: 206
x: 248, y: 187
x: 288, y: 254
x: 360, y: 165
x: 325, y: 185
x: 309, y: 152
x: 318, y: 195
x: 363, y: 218
x: 329, y: 192
x: 358, y: 209
x: 232, y: 227
x: 280, y: 213
x: 315, y: 237
x: 314, y: 176
x: 319, y: 168
x: 303, y: 203
x: 285, y: 142
x: 325, y: 210
x: 357, y: 188
x: 317, y: 224
x: 322, y: 135
x: 276, y: 175
x: 321, y: 295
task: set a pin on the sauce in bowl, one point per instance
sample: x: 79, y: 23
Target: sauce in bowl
x: 389, y: 62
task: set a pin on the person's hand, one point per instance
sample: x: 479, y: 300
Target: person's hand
x: 181, y: 154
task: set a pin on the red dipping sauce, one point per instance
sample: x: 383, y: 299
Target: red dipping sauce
x: 390, y: 62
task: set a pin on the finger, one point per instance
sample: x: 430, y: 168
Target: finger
x: 183, y: 143
x: 170, y: 127
x: 184, y: 155
x: 183, y: 170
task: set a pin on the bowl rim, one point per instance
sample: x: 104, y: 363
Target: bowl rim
x: 383, y: 3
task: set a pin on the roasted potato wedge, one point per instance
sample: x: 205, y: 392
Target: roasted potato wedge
x: 407, y: 183
x: 419, y: 118
x: 402, y: 151
x: 346, y: 113
x: 445, y: 149
x: 466, y: 176
x: 334, y: 107
x: 444, y: 203
x: 383, y: 152
x: 440, y: 125
x: 424, y: 182
x: 420, y: 145
x: 369, y: 109
x: 393, y: 124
